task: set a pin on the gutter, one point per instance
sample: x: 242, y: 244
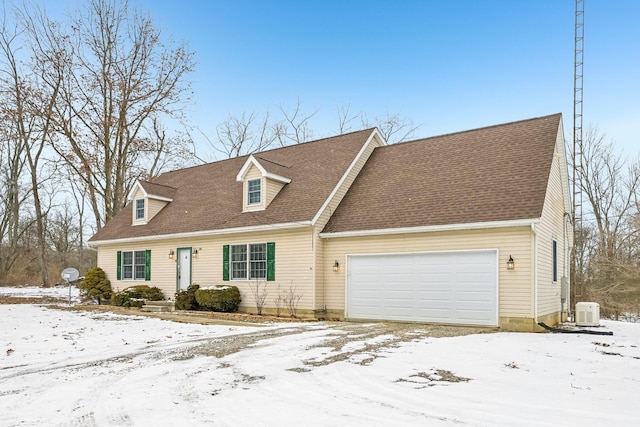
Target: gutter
x: 433, y: 228
x: 204, y: 233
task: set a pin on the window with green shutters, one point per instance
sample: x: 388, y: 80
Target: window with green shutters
x: 134, y: 265
x: 253, y: 261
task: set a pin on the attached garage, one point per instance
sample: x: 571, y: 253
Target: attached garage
x: 453, y: 287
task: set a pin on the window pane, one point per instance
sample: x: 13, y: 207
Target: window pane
x: 140, y: 271
x: 254, y: 191
x: 258, y: 261
x: 139, y: 208
x: 127, y: 258
x: 127, y: 272
x: 239, y: 261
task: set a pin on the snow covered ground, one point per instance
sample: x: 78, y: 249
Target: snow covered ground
x: 79, y: 368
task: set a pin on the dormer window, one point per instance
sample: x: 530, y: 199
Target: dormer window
x: 254, y: 192
x: 140, y: 209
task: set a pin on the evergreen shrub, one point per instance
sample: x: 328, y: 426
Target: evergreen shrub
x: 96, y: 285
x: 186, y: 300
x: 135, y: 296
x: 219, y: 298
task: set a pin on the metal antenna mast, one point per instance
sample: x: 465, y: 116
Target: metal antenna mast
x: 577, y: 133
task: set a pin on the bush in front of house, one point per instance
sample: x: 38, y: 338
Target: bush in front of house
x: 135, y: 296
x: 219, y: 298
x: 96, y: 285
x: 186, y: 300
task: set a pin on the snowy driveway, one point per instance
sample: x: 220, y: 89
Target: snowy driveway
x: 84, y: 368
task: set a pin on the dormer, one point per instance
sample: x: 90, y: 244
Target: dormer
x: 261, y: 180
x: 148, y: 199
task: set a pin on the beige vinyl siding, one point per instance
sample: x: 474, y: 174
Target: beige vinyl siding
x: 294, y: 264
x: 153, y: 207
x: 554, y: 226
x: 253, y: 173
x: 139, y: 195
x: 272, y: 189
x: 320, y: 255
x: 515, y: 287
x: 321, y: 264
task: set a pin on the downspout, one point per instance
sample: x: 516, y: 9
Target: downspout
x: 535, y: 273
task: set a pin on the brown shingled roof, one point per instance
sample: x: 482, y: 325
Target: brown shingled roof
x: 496, y: 173
x: 208, y: 197
x: 158, y: 190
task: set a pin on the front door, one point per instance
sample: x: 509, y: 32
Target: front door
x: 184, y: 268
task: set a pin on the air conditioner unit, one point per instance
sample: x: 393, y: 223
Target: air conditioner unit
x: 588, y: 314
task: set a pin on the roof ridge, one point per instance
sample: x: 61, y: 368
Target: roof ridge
x: 156, y: 183
x: 477, y: 129
x: 271, y: 161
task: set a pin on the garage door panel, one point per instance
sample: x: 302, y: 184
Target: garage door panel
x: 442, y: 287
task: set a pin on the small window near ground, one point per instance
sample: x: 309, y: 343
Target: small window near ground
x: 555, y: 261
x: 254, y: 195
x: 140, y: 209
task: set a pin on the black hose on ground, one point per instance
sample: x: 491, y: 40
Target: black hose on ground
x: 573, y: 331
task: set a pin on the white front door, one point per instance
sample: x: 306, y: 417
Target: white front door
x: 184, y: 268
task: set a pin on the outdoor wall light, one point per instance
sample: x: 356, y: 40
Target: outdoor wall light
x: 196, y: 253
x: 336, y: 266
x: 172, y: 254
x: 511, y: 264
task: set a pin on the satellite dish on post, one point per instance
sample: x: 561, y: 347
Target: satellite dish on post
x: 70, y: 275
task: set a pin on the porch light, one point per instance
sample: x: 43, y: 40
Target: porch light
x: 196, y: 253
x: 336, y: 266
x: 172, y: 254
x: 511, y: 264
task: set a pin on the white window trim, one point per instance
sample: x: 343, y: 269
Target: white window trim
x: 247, y: 262
x: 137, y: 209
x: 259, y: 191
x: 133, y: 266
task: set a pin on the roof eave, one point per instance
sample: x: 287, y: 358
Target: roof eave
x: 433, y: 228
x: 203, y: 233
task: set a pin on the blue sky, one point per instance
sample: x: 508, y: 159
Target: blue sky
x: 447, y: 65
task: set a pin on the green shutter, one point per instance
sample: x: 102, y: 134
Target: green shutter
x: 271, y: 261
x: 119, y: 266
x: 147, y: 265
x: 225, y: 262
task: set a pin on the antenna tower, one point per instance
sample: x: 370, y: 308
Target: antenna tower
x: 577, y: 134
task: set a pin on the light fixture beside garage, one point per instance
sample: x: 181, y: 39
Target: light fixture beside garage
x: 511, y: 264
x: 172, y: 254
x: 336, y: 266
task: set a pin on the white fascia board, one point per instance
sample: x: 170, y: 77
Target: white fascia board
x: 253, y: 161
x: 276, y: 177
x: 433, y: 228
x: 349, y: 169
x: 204, y: 233
x: 133, y: 190
x: 162, y: 198
x: 245, y: 168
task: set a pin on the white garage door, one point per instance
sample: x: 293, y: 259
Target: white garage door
x: 438, y: 287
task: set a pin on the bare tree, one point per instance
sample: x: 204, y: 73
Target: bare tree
x: 246, y: 134
x: 295, y: 127
x: 345, y: 118
x: 120, y: 80
x: 605, y: 248
x: 393, y: 127
x: 29, y: 109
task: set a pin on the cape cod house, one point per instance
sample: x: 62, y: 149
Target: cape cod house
x: 469, y: 228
